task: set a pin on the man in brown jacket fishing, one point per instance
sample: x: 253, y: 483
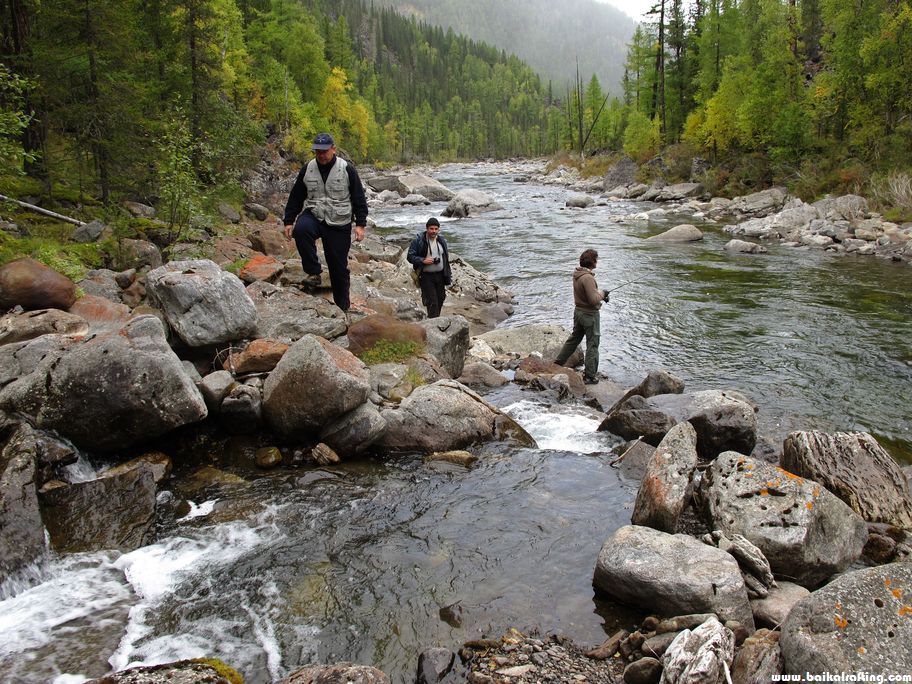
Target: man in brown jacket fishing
x: 587, y: 300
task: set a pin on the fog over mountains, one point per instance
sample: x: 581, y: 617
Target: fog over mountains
x: 549, y: 35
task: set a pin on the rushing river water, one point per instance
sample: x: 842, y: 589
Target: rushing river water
x: 374, y: 561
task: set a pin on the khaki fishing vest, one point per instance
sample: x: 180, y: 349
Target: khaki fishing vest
x: 329, y: 202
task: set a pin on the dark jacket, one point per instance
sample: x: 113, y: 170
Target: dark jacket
x: 299, y: 194
x: 418, y: 251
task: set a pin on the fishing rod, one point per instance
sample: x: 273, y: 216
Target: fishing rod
x: 629, y: 282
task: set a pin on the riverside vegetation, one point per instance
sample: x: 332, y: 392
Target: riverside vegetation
x: 723, y: 540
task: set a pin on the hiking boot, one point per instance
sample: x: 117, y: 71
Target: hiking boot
x: 590, y: 381
x: 313, y: 280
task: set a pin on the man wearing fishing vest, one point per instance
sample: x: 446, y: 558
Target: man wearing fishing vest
x: 326, y: 195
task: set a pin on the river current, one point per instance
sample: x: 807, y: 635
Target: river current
x: 376, y: 560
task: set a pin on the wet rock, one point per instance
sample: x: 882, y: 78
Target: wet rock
x: 260, y: 356
x: 855, y: 468
x: 724, y: 420
x: 459, y: 457
x: 354, y: 432
x: 241, y: 411
x: 75, y: 522
x: 448, y: 341
x: 656, y: 645
x: 637, y: 418
x: 202, y: 303
x: 434, y: 664
x: 340, y: 673
x: 861, y: 621
x: 679, y: 623
x: 685, y: 232
x: 633, y: 459
x: 759, y: 660
x: 268, y: 458
x: 323, y: 455
x: 336, y: 383
x: 21, y: 528
x: 579, y: 201
x: 32, y: 285
x: 27, y: 325
x: 157, y: 462
x: 287, y: 316
x: 665, y: 488
x: 106, y: 393
x: 744, y: 247
x: 479, y: 373
x: 806, y: 533
x: 701, y: 655
x: 547, y: 373
x: 419, y: 184
x: 458, y: 417
x: 670, y: 574
x: 643, y: 671
x: 470, y: 203
x: 772, y: 610
x: 181, y: 672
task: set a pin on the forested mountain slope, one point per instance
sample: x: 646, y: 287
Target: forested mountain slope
x: 549, y: 36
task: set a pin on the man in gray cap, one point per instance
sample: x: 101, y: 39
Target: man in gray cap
x: 324, y: 199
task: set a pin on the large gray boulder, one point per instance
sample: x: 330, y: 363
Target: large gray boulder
x: 744, y: 247
x: 855, y: 468
x: 27, y: 325
x: 524, y: 340
x: 622, y: 172
x: 446, y: 416
x: 448, y: 341
x: 419, y: 184
x: 108, y: 392
x: 665, y: 489
x: 202, y: 303
x: 671, y: 575
x: 861, y: 621
x: 723, y: 419
x: 354, y: 432
x: 287, y: 315
x: 636, y: 418
x: 686, y: 232
x: 21, y: 528
x: 806, y: 533
x: 761, y: 203
x: 76, y: 522
x: 314, y: 383
x: 469, y: 203
x: 679, y: 191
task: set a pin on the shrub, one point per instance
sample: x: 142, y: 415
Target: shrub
x: 641, y: 137
x: 892, y: 193
x: 390, y: 351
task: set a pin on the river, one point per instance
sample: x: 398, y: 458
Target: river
x: 375, y: 560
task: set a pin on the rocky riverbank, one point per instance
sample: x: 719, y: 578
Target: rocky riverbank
x: 729, y: 532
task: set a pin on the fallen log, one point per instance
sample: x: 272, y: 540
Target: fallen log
x: 41, y: 210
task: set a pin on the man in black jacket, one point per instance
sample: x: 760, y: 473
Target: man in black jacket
x: 325, y: 196
x: 429, y: 255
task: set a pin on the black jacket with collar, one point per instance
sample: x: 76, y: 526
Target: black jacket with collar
x: 418, y: 251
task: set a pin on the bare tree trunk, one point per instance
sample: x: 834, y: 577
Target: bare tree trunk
x: 96, y: 129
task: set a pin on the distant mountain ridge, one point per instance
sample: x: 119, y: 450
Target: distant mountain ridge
x: 547, y: 35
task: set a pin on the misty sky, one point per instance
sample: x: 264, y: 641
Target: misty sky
x: 632, y: 8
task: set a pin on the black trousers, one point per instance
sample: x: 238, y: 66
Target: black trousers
x: 336, y: 243
x: 433, y: 292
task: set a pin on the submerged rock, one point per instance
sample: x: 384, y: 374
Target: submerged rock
x: 21, y: 528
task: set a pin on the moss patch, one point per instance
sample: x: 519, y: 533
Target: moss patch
x: 389, y: 351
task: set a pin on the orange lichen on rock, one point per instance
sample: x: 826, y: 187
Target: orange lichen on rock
x: 862, y: 650
x: 791, y: 476
x: 764, y: 492
x: 810, y: 505
x: 840, y: 621
x: 897, y: 593
x: 905, y: 611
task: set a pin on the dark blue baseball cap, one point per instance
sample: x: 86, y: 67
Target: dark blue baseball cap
x: 323, y: 141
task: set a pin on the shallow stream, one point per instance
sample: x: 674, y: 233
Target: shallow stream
x: 374, y: 561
